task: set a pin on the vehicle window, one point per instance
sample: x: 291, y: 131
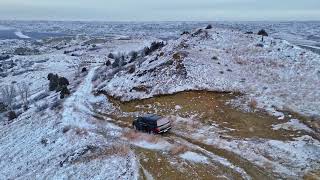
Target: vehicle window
x: 162, y: 121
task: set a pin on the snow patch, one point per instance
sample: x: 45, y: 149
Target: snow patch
x: 161, y: 145
x: 77, y: 107
x: 177, y: 107
x: 21, y: 35
x: 293, y: 124
x: 194, y: 157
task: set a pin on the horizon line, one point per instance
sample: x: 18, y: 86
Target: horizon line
x: 149, y: 21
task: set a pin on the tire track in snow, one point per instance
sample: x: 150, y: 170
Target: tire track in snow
x: 223, y: 157
x: 77, y: 107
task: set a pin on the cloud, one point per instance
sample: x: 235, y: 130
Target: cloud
x: 148, y: 10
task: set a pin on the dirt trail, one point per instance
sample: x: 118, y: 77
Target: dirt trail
x: 209, y: 110
x: 249, y: 169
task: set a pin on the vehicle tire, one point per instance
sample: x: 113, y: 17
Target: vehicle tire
x: 134, y: 126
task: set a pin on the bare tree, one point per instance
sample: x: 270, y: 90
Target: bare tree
x: 262, y: 33
x: 24, y: 91
x: 8, y: 94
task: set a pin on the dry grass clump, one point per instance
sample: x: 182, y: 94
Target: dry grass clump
x: 103, y: 152
x: 131, y: 135
x: 189, y: 124
x: 253, y: 104
x: 81, y: 131
x: 240, y: 60
x: 119, y: 149
x: 312, y: 175
x: 195, y: 124
x: 179, y: 149
x: 176, y: 56
x: 268, y: 165
x: 150, y: 138
x: 138, y: 136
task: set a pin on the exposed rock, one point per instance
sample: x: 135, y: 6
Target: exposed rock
x: 141, y: 88
x: 132, y: 69
x: 209, y: 26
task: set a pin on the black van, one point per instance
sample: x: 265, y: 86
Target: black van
x: 152, y: 123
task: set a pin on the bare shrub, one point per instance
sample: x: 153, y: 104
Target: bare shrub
x: 12, y: 115
x: 108, y: 63
x: 81, y: 131
x: 240, y: 61
x: 176, y: 56
x: 253, y: 104
x: 120, y: 149
x: 179, y: 56
x: 24, y: 92
x: 195, y: 124
x: 268, y: 165
x: 111, y: 56
x: 153, y: 47
x: 95, y: 152
x: 116, y: 62
x: 134, y: 56
x: 3, y: 107
x: 185, y: 32
x: 8, y: 94
x: 132, y: 69
x: 156, y: 45
x: 199, y: 31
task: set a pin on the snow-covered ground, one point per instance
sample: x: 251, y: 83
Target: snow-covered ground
x: 21, y: 35
x: 293, y: 124
x: 278, y: 75
x: 288, y: 158
x: 51, y: 145
x: 67, y: 139
x: 191, y: 156
x: 60, y: 139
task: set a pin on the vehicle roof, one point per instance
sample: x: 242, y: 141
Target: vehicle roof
x: 151, y: 117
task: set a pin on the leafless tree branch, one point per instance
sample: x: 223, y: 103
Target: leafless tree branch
x: 24, y: 91
x: 8, y: 94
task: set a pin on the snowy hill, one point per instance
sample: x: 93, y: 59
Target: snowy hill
x: 220, y: 131
x: 274, y: 73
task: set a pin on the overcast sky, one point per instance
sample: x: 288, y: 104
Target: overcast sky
x: 160, y: 10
